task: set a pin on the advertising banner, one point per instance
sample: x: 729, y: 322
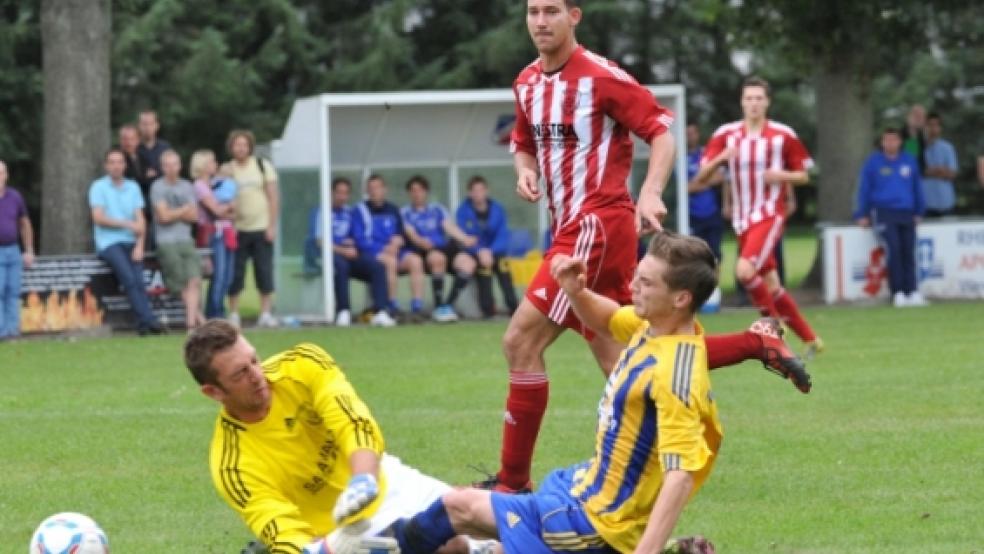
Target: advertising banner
x: 949, y: 262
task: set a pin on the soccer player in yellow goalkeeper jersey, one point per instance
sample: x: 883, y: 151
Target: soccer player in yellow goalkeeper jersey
x: 658, y: 431
x: 297, y: 454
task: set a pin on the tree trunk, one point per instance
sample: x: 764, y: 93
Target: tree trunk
x: 844, y: 140
x: 75, y: 42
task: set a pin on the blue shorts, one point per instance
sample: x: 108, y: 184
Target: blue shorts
x: 547, y: 521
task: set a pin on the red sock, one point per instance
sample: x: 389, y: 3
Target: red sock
x: 525, y: 406
x: 791, y: 315
x: 759, y: 294
x: 725, y: 350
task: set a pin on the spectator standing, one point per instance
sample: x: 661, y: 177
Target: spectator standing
x: 429, y: 228
x: 150, y: 149
x: 379, y: 231
x: 119, y: 229
x: 15, y: 229
x: 890, y: 199
x: 939, y: 170
x: 130, y: 145
x: 913, y: 137
x: 705, y: 209
x: 151, y: 146
x: 216, y: 208
x: 485, y: 219
x: 257, y: 210
x: 348, y: 261
x: 175, y: 209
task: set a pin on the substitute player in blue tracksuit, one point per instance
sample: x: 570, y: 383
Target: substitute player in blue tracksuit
x: 485, y: 219
x: 890, y: 199
x: 379, y: 230
x: 705, y: 211
x: 429, y: 229
x: 349, y: 261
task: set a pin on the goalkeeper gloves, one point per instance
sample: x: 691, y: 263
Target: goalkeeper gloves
x: 359, y: 493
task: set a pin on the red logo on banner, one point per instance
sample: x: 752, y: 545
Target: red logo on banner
x: 876, y: 272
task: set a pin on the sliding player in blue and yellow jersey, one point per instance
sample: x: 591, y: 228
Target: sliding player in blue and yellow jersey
x: 658, y: 430
x: 297, y: 454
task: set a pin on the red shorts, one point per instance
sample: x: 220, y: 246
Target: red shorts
x: 758, y: 243
x: 607, y: 242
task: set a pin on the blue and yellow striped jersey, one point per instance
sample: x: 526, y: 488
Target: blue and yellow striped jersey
x: 657, y: 415
x: 283, y: 474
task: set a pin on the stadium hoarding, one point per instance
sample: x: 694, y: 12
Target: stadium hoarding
x: 949, y: 262
x: 81, y: 293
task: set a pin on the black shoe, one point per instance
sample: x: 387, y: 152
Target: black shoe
x: 492, y: 483
x: 154, y: 328
x: 254, y: 547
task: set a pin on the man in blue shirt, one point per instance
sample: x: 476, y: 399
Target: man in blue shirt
x: 378, y: 230
x: 428, y: 227
x: 119, y: 229
x: 941, y: 167
x: 484, y: 219
x: 890, y: 199
x: 705, y: 211
x: 348, y: 261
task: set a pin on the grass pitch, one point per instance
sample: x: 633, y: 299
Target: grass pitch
x: 884, y: 456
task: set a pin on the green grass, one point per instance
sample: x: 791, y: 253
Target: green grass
x: 884, y: 456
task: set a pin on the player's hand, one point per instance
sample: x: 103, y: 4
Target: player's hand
x: 469, y: 241
x: 348, y: 252
x: 28, y: 259
x: 359, y: 493
x: 527, y: 186
x: 426, y: 244
x: 864, y: 222
x: 650, y: 211
x: 726, y: 155
x: 570, y: 273
x: 270, y: 234
x: 726, y: 211
x: 138, y: 253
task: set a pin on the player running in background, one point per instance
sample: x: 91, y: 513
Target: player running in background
x: 762, y: 156
x: 574, y: 113
x: 297, y: 454
x: 428, y: 227
x: 658, y: 431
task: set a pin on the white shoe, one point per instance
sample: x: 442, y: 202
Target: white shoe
x: 267, y: 320
x: 916, y: 299
x: 900, y: 300
x: 343, y: 319
x: 382, y: 319
x: 234, y: 320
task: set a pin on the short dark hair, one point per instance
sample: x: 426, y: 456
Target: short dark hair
x: 339, y: 181
x: 692, y: 265
x: 890, y: 130
x: 476, y: 179
x: 418, y: 180
x: 934, y: 115
x: 756, y: 81
x: 203, y: 344
x: 572, y: 3
x: 375, y: 177
x: 115, y: 149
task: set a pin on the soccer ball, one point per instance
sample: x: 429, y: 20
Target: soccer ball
x: 69, y: 533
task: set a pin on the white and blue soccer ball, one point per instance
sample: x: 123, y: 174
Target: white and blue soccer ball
x: 69, y: 533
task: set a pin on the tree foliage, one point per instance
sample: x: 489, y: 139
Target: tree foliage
x: 212, y: 65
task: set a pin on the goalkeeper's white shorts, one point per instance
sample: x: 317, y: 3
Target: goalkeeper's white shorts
x: 408, y: 492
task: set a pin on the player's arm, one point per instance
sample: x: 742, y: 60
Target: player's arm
x: 650, y: 209
x: 797, y: 177
x: 593, y: 309
x: 796, y: 164
x: 716, y: 178
x: 271, y: 187
x: 356, y: 432
x: 414, y: 237
x: 455, y: 232
x: 527, y: 176
x: 673, y: 495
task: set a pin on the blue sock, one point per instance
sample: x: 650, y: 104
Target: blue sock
x: 394, y: 306
x: 425, y: 532
x: 416, y: 305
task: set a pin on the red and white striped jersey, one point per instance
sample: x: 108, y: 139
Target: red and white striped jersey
x: 775, y: 147
x: 576, y: 123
